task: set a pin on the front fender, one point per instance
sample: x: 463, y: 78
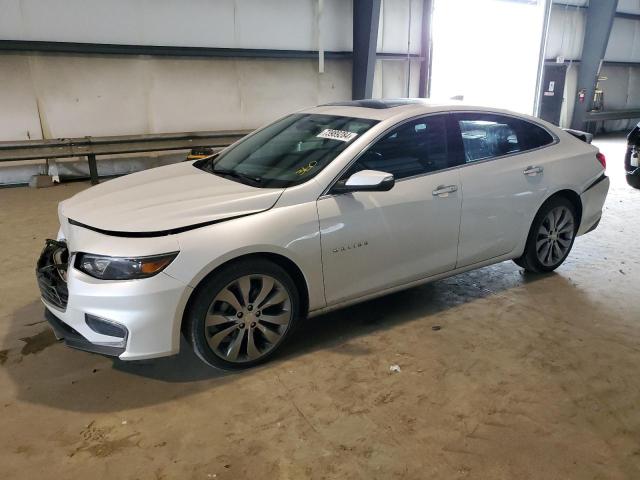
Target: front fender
x: 291, y: 232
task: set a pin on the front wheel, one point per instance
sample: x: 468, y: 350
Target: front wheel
x: 241, y: 315
x: 551, y: 236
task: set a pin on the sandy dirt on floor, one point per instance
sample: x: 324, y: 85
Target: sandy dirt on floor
x: 529, y: 377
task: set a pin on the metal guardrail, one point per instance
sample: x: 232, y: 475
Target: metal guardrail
x: 612, y: 115
x: 90, y: 147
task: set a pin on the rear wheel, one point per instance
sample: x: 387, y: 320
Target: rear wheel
x: 240, y: 316
x: 551, y: 236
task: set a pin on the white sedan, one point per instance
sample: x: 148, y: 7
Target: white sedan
x: 321, y: 209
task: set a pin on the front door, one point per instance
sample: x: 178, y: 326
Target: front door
x: 376, y: 240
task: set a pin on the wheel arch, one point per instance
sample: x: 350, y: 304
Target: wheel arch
x: 281, y: 260
x: 570, y: 195
x: 567, y: 193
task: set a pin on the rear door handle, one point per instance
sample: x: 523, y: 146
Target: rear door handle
x: 532, y: 171
x: 444, y: 190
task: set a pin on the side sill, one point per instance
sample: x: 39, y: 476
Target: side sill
x: 414, y: 283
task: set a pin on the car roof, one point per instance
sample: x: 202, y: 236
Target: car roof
x: 400, y: 108
x: 377, y: 103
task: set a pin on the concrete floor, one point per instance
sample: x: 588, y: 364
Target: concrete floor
x: 529, y: 377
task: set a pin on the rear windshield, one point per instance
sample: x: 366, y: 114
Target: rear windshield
x: 288, y: 152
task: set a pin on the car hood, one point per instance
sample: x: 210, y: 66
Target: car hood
x: 165, y: 199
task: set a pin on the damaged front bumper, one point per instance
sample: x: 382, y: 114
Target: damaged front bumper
x: 129, y: 319
x: 73, y: 339
x: 51, y: 273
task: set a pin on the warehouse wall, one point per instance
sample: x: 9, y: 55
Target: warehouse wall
x: 279, y: 24
x: 399, y: 31
x: 622, y: 87
x: 53, y: 96
x: 67, y: 95
x: 76, y: 95
x: 58, y: 95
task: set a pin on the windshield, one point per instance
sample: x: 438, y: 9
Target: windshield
x: 287, y: 152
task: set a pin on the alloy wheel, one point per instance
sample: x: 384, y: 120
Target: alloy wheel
x: 248, y: 318
x: 555, y: 236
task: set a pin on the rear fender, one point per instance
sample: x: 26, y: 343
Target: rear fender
x: 592, y: 202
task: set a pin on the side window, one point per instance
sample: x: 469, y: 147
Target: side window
x: 417, y: 147
x: 487, y: 136
x: 534, y: 136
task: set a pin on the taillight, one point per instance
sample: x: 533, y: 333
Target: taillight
x: 601, y: 158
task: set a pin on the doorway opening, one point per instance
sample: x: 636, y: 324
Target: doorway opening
x: 487, y: 52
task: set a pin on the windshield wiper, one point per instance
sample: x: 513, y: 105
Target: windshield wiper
x: 235, y: 174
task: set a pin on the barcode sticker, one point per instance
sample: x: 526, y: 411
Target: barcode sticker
x: 342, y: 135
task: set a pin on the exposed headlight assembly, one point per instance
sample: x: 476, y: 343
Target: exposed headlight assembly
x: 122, y: 268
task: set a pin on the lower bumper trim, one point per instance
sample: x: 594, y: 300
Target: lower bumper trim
x: 596, y: 182
x: 73, y: 339
x: 594, y: 226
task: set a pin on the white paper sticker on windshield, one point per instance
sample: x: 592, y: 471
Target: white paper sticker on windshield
x: 342, y: 135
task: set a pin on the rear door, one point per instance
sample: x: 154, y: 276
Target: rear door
x: 503, y: 182
x: 376, y: 240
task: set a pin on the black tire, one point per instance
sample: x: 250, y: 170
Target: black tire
x: 195, y: 330
x: 634, y: 180
x: 530, y: 260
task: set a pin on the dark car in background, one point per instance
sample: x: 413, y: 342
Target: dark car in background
x: 631, y: 160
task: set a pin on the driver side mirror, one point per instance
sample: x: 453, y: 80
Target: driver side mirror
x: 365, y: 181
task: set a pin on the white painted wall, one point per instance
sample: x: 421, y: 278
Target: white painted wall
x: 400, y: 26
x: 277, y: 24
x: 53, y: 96
x: 281, y: 24
x: 72, y: 95
x: 80, y: 95
x: 566, y: 32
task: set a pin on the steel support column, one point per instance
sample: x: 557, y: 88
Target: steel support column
x: 426, y: 46
x: 366, y: 15
x: 600, y: 17
x: 93, y: 169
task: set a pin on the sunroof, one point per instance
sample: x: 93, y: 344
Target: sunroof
x: 384, y: 103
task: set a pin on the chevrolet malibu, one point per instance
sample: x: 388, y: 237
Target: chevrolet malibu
x: 321, y: 209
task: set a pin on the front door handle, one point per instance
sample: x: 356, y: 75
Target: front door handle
x: 532, y: 171
x: 444, y: 190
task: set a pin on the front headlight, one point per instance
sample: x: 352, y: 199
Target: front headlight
x: 122, y: 268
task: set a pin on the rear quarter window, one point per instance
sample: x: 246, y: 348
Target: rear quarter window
x: 486, y: 136
x: 534, y: 136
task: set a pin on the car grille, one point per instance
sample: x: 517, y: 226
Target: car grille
x: 51, y: 272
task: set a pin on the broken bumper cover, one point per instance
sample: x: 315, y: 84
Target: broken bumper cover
x: 51, y: 271
x: 73, y: 339
x: 130, y: 319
